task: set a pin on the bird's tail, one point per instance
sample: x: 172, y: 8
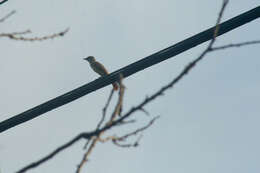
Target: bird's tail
x: 115, y: 86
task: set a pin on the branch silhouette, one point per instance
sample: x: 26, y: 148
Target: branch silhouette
x: 7, y: 16
x: 17, y: 36
x: 235, y: 45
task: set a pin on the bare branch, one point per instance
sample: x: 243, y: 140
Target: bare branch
x: 116, y: 140
x: 58, y: 150
x: 135, y: 144
x: 122, y: 138
x: 118, y: 107
x: 85, y: 156
x: 15, y: 33
x: 236, y: 45
x: 103, y: 115
x: 126, y: 122
x: 7, y: 16
x: 145, y: 111
x: 113, y: 116
x: 87, y: 143
x: 14, y: 36
x: 105, y: 108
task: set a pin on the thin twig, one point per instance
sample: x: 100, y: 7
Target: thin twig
x: 7, y: 16
x: 85, y: 156
x: 86, y: 145
x: 96, y: 139
x: 119, y: 104
x: 145, y: 111
x: 15, y: 33
x: 135, y: 144
x: 116, y: 139
x: 235, y: 45
x: 105, y: 108
x: 58, y: 150
x: 122, y: 138
x: 14, y: 36
x: 103, y: 115
x: 126, y: 122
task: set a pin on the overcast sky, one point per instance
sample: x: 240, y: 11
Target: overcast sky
x: 209, y: 121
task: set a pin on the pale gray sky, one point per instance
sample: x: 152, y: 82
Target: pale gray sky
x: 209, y: 121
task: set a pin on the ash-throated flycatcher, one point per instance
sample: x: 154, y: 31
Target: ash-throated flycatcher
x: 99, y: 68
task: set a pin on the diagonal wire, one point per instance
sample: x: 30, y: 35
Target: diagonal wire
x: 130, y: 69
x: 3, y: 1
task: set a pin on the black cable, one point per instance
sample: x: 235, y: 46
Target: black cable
x: 3, y: 1
x: 130, y: 69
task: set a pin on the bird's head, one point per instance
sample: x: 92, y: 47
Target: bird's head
x: 90, y: 59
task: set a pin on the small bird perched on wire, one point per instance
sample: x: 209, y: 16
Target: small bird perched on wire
x: 99, y: 68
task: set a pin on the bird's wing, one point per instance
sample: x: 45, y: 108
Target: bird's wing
x: 99, y: 68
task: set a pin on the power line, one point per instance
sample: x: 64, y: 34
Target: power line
x: 3, y: 1
x: 130, y: 69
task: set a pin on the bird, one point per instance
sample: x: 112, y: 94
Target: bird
x: 99, y: 68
